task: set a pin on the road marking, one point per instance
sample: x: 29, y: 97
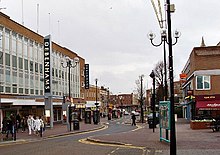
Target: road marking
x: 130, y: 146
x: 25, y: 141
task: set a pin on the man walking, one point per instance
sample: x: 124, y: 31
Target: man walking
x: 133, y: 118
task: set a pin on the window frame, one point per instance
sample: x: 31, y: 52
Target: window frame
x: 203, y: 82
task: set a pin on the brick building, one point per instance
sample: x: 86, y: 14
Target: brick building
x: 201, y: 88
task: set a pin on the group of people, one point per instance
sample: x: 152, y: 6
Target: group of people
x: 37, y: 125
x: 14, y: 123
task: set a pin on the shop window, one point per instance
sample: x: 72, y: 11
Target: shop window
x: 202, y: 82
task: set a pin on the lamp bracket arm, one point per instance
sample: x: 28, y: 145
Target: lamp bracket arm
x: 156, y: 45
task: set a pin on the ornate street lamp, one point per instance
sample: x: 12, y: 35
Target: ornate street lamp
x: 68, y: 63
x: 151, y: 36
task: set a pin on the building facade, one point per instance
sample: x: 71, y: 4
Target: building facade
x: 22, y: 72
x: 201, y: 85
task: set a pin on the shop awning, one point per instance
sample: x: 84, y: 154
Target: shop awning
x: 208, y: 105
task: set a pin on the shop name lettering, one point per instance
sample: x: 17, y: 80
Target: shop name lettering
x: 213, y: 105
x: 207, y: 97
x: 47, y: 65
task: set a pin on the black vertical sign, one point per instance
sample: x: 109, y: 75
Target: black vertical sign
x: 86, y: 76
x: 47, y: 65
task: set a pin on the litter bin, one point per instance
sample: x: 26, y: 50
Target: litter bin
x: 75, y: 124
x: 88, y: 117
x: 151, y: 123
x: 96, y: 117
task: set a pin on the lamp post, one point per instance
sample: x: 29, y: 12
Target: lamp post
x: 170, y: 9
x: 96, y: 93
x: 96, y: 114
x: 141, y: 99
x: 152, y: 75
x: 70, y: 64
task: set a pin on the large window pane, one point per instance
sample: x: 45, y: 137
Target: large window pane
x: 203, y: 82
x: 7, y: 76
x: 7, y: 59
x: 21, y: 79
x: 14, y: 61
x: 20, y: 63
x: 206, y: 82
x: 31, y: 66
x: 26, y: 64
x: 36, y: 67
x: 1, y: 57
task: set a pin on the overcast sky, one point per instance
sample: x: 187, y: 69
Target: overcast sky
x: 112, y: 34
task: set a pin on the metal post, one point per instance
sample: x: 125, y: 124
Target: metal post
x: 152, y: 75
x: 142, y: 112
x: 172, y: 129
x: 69, y: 65
x: 165, y: 71
x: 153, y: 102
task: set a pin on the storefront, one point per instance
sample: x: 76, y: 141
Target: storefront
x: 208, y: 106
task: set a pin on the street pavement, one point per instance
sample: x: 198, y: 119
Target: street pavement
x: 57, y: 130
x: 189, y: 142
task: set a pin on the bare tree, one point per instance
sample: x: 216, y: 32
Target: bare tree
x: 158, y: 71
x: 140, y: 91
x: 159, y: 75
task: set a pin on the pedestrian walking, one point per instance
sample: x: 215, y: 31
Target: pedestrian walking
x: 23, y: 124
x: 18, y: 121
x: 133, y: 118
x: 30, y: 123
x: 9, y: 128
x: 4, y: 125
x: 14, y: 124
x: 37, y: 124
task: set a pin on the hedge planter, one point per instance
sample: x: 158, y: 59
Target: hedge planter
x: 195, y: 125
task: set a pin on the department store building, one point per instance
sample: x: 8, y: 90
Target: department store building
x: 22, y: 73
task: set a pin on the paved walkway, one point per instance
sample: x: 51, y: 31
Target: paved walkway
x: 188, y: 141
x: 57, y: 130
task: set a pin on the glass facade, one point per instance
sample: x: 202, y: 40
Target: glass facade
x: 21, y: 67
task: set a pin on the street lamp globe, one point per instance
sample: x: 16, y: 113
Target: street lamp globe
x: 177, y: 34
x: 151, y: 35
x: 163, y: 33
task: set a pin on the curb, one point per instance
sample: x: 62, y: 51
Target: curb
x: 105, y: 142
x: 19, y: 141
x: 75, y: 132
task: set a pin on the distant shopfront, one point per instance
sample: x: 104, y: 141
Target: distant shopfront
x: 208, y: 105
